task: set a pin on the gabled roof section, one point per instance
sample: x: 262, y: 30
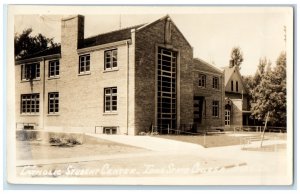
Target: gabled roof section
x: 43, y: 53
x: 161, y: 19
x: 113, y: 36
x: 200, y: 64
x: 228, y: 72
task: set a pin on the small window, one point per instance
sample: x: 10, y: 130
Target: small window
x: 231, y: 85
x: 54, y: 68
x: 53, y: 103
x: 110, y: 99
x: 110, y: 59
x: 216, y: 82
x: 84, y: 64
x: 110, y: 130
x: 30, y: 103
x: 215, y: 108
x: 237, y: 86
x: 202, y: 80
x: 30, y: 71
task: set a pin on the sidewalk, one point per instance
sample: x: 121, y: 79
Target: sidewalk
x: 152, y: 143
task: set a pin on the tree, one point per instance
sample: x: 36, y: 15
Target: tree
x: 269, y: 92
x: 236, y: 58
x: 25, y: 44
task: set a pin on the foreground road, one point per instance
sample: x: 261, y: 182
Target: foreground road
x: 205, y: 166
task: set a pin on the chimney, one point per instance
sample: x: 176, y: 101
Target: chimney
x: 72, y: 33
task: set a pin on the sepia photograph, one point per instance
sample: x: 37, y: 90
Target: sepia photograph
x: 150, y: 95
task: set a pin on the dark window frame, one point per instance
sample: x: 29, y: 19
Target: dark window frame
x: 84, y: 64
x: 30, y: 71
x: 110, y: 99
x: 53, y: 102
x: 215, y: 108
x: 202, y: 80
x: 30, y: 103
x: 113, y: 130
x: 216, y: 82
x: 54, y: 68
x: 111, y: 59
x: 237, y: 86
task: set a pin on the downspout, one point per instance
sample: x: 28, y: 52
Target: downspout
x: 44, y: 78
x: 127, y: 102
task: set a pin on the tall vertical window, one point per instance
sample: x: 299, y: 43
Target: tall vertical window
x: 166, y: 89
x: 30, y: 103
x: 111, y: 59
x: 110, y: 99
x: 84, y: 64
x: 53, y: 102
x: 215, y: 108
x: 237, y: 86
x: 54, y: 68
x: 231, y: 85
x: 30, y: 71
x: 216, y: 82
x: 202, y: 80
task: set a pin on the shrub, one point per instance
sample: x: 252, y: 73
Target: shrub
x: 149, y: 133
x: 63, y: 140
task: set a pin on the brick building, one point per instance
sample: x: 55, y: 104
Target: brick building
x: 122, y: 82
x: 237, y: 108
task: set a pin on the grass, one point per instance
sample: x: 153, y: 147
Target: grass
x: 218, y: 140
x: 28, y: 150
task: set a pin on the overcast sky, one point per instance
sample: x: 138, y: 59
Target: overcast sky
x: 212, y: 32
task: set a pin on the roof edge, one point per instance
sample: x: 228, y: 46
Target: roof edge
x: 216, y: 68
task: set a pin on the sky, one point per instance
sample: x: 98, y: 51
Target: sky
x: 212, y: 31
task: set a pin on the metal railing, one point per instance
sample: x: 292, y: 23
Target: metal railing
x: 246, y: 128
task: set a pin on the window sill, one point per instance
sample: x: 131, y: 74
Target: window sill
x: 84, y: 73
x: 26, y: 80
x: 111, y: 70
x: 54, y: 77
x: 24, y: 114
x: 110, y: 113
x: 53, y: 114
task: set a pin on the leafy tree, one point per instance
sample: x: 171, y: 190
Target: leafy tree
x: 269, y: 92
x: 25, y: 44
x: 236, y: 58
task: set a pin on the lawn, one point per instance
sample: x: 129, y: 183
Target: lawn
x: 28, y: 150
x: 217, y: 140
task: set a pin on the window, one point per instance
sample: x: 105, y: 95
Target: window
x: 30, y: 71
x: 54, y: 68
x: 30, y: 103
x: 202, y: 80
x: 110, y: 99
x: 237, y: 86
x: 215, y: 108
x: 110, y: 130
x: 111, y: 59
x: 84, y: 64
x: 53, y: 102
x: 216, y: 82
x: 231, y: 85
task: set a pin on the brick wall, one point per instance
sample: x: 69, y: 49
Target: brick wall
x: 147, y: 42
x: 210, y: 94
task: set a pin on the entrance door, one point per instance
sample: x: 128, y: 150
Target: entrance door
x: 227, y: 117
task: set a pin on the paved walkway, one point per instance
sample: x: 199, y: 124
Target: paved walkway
x: 152, y: 143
